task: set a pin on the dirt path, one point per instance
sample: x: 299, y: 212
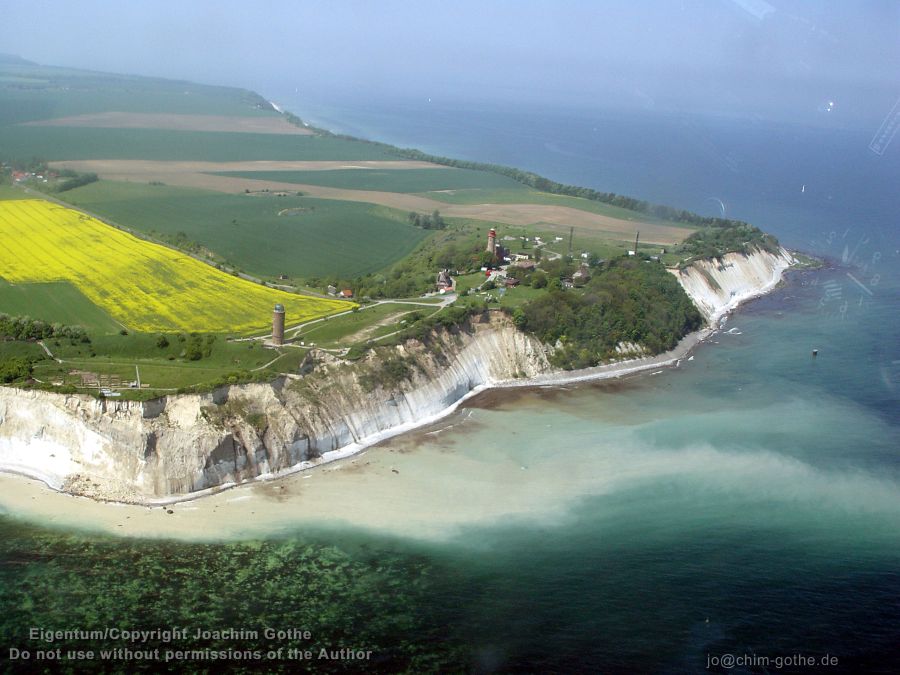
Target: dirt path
x: 369, y: 331
x: 48, y: 352
x: 266, y: 365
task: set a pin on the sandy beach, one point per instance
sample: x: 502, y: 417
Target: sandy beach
x: 390, y: 487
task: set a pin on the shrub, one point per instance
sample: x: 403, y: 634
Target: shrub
x: 16, y: 368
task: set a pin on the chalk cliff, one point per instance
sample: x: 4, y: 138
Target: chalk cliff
x: 718, y: 286
x: 177, y: 446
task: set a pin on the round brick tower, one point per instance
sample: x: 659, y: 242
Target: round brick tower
x: 492, y: 241
x: 278, y: 325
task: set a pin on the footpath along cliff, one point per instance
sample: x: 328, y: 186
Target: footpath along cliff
x: 180, y: 446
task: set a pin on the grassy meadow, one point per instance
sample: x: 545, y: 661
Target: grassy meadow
x: 161, y: 368
x: 55, y: 302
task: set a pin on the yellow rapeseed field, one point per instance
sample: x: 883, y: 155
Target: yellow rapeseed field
x: 144, y: 286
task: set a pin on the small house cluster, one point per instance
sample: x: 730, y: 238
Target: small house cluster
x: 24, y: 176
x: 346, y: 293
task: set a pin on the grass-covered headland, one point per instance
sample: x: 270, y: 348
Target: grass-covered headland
x: 716, y: 241
x: 627, y: 300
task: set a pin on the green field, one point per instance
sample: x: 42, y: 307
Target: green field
x: 322, y: 238
x: 61, y: 143
x: 55, y: 302
x: 32, y: 92
x: 405, y: 180
x: 8, y: 192
x: 451, y: 186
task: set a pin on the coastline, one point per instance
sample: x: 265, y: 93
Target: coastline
x: 619, y: 369
x: 607, y: 371
x: 324, y: 491
x: 307, y: 494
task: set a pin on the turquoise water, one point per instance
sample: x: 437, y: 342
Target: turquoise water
x: 745, y: 503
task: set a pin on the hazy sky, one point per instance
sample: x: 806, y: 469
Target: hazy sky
x: 768, y: 57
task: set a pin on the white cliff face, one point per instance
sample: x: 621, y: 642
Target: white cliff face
x: 130, y: 451
x: 718, y: 286
x: 178, y: 446
x: 49, y: 436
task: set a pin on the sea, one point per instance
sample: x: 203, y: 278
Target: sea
x: 739, y: 513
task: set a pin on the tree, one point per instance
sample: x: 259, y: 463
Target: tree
x: 520, y: 319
